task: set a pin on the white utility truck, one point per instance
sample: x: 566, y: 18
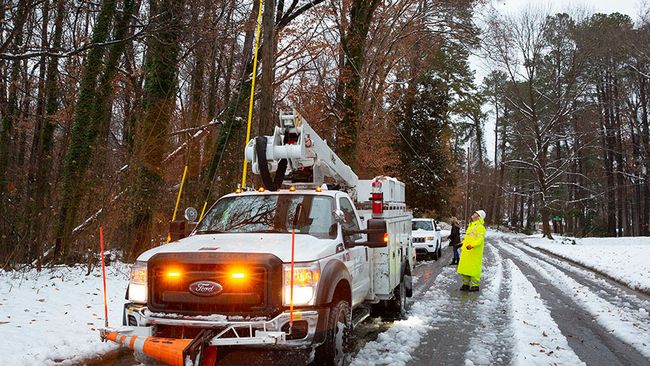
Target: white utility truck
x: 292, y: 266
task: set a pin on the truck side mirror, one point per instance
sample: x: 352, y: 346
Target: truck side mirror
x: 177, y: 230
x: 191, y: 214
x: 338, y: 216
x: 377, y: 234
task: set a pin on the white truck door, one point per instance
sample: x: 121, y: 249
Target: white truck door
x: 356, y: 258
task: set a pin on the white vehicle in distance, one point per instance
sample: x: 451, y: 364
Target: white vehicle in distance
x: 426, y: 238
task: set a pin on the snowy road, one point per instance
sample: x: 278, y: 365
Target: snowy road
x: 533, y: 309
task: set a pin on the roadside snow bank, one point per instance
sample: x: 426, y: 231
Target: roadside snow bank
x: 624, y: 259
x: 53, y: 316
x: 538, y: 339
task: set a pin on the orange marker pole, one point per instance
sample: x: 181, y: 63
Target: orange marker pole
x: 293, y: 248
x: 101, y: 248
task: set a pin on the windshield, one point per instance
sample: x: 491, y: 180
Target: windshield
x: 422, y: 225
x: 271, y: 214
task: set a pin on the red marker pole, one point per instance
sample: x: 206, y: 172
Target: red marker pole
x: 101, y: 248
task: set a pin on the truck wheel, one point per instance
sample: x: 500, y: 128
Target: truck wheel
x: 335, y: 350
x: 397, y: 306
x: 439, y: 250
x: 434, y: 255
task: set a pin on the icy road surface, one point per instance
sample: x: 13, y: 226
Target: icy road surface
x: 533, y: 309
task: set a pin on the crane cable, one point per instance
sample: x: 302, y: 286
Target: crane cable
x: 252, y: 97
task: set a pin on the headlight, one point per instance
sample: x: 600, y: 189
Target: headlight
x: 428, y: 238
x: 138, y: 283
x: 305, y: 283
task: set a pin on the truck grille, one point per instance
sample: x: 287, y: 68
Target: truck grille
x: 418, y: 240
x: 258, y: 294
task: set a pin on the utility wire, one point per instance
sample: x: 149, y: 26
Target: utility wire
x: 392, y: 122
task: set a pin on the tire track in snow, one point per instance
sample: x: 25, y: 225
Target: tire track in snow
x: 630, y: 327
x: 490, y: 342
x: 538, y: 339
x: 617, y: 294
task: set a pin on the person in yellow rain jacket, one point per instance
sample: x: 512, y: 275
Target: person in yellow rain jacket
x: 471, y: 256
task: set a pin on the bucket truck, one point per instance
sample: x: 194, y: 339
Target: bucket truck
x: 291, y: 266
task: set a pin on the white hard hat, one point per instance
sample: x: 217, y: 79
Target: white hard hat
x: 481, y: 213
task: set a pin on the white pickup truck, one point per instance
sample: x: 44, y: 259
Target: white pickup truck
x: 291, y: 268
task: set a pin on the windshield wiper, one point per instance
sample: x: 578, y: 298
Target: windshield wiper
x: 210, y: 232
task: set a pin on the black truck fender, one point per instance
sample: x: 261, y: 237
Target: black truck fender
x: 334, y: 273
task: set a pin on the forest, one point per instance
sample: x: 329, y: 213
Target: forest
x: 104, y: 104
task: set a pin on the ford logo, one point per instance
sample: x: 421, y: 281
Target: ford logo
x: 205, y: 288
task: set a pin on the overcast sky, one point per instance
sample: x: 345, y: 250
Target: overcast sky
x: 629, y: 7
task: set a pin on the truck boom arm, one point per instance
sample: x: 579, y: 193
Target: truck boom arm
x: 307, y: 157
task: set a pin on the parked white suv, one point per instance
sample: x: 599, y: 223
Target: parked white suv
x: 426, y: 238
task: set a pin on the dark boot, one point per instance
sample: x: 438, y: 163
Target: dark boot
x: 464, y: 288
x: 473, y: 289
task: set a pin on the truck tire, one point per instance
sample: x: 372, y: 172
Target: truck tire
x: 335, y: 351
x: 439, y: 250
x: 396, y: 308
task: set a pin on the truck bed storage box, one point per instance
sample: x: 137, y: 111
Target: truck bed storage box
x: 203, y: 284
x: 393, y: 190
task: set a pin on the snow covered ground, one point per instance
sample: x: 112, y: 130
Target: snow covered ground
x: 620, y: 316
x: 624, y: 259
x: 52, y: 316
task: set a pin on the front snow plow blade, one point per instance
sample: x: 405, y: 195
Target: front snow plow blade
x: 173, y: 352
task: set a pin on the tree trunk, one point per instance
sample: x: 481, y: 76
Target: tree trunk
x: 151, y: 138
x: 12, y: 111
x: 84, y: 133
x: 34, y: 194
x: 604, y: 115
x: 267, y: 118
x: 353, y: 43
x: 645, y: 230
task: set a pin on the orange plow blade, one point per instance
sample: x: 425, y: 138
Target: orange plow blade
x: 167, y: 350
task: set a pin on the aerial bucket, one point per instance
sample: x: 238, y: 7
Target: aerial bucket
x: 167, y: 350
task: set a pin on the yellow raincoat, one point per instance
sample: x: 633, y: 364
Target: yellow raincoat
x: 471, y: 260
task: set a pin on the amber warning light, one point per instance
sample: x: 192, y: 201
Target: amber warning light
x: 173, y: 274
x: 238, y: 275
